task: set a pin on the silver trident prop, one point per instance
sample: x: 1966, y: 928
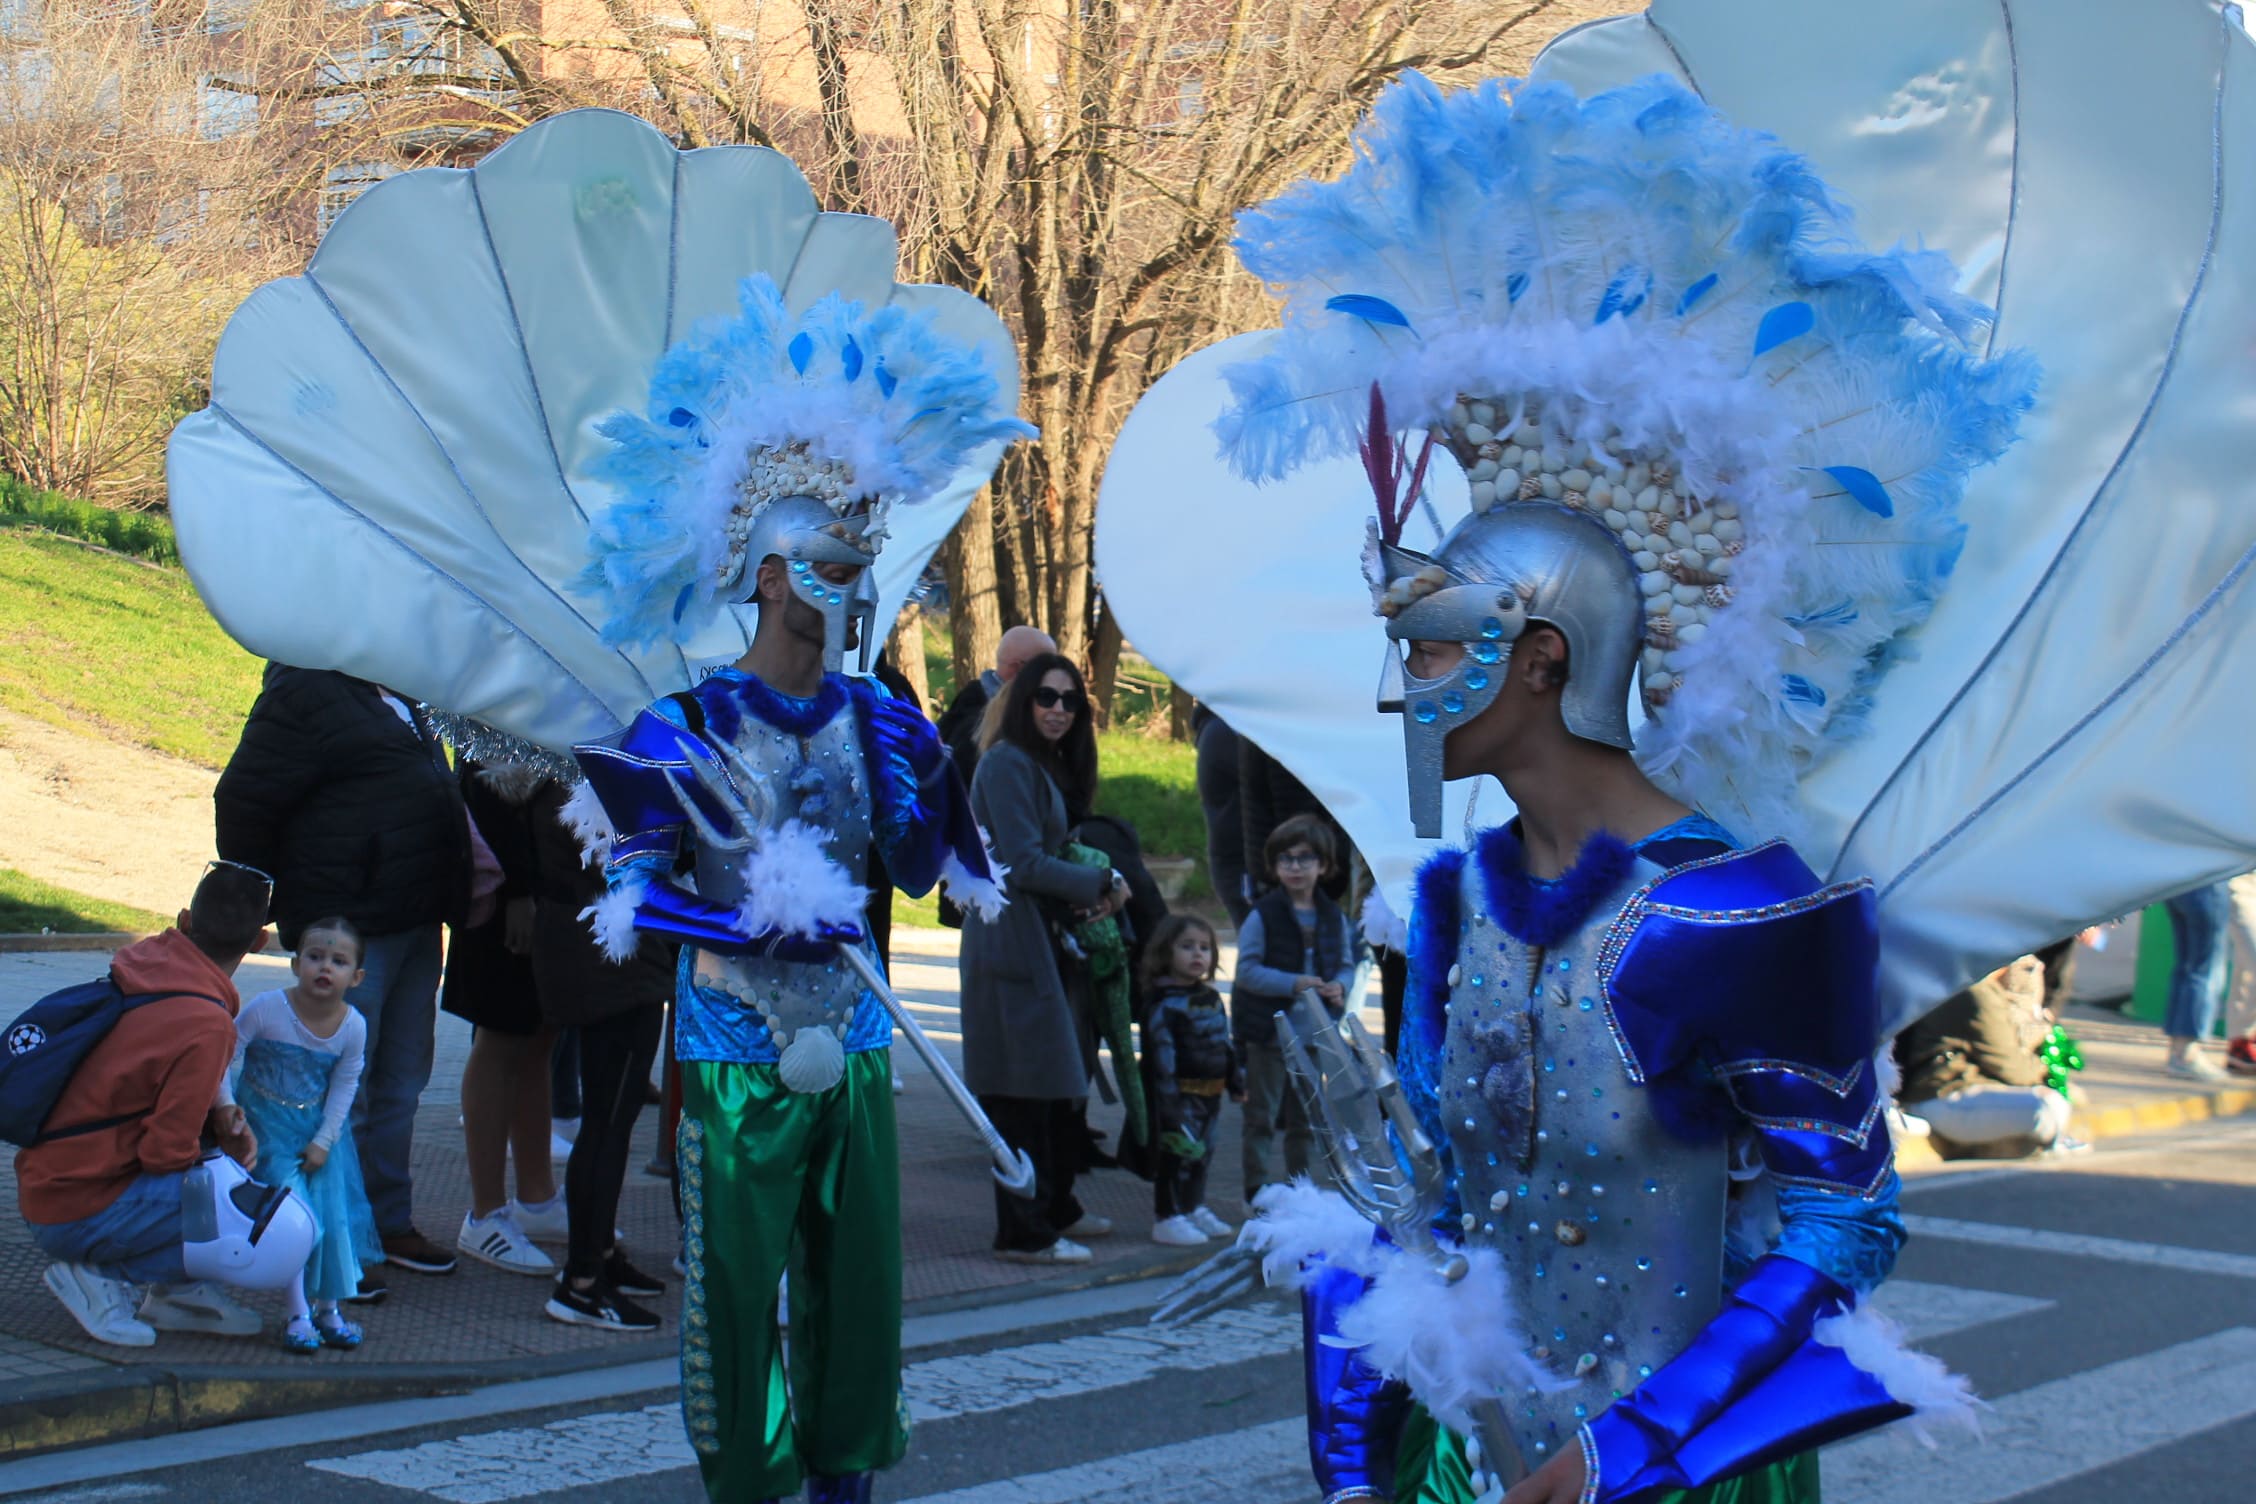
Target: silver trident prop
x: 739, y: 788
x: 1379, y: 1158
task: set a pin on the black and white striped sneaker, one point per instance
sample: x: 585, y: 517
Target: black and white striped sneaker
x: 599, y: 1306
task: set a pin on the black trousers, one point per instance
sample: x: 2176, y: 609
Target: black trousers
x: 1051, y: 1133
x: 615, y: 1057
x: 1179, y: 1185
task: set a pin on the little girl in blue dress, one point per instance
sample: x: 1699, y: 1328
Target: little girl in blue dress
x: 297, y: 1068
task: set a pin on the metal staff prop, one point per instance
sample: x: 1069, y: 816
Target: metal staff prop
x: 1014, y: 1172
x: 1383, y: 1164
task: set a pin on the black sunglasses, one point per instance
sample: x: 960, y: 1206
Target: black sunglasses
x: 1071, y: 699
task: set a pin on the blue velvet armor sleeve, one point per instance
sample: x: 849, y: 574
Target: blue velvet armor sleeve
x: 1695, y: 986
x: 921, y: 814
x: 1354, y: 1415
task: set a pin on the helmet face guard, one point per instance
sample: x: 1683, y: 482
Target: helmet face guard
x: 804, y: 533
x: 1494, y: 574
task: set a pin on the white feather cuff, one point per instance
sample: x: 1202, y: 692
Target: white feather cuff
x: 1452, y: 1343
x: 1382, y: 927
x: 968, y: 891
x: 612, y: 917
x: 583, y: 815
x: 792, y: 885
x: 1877, y: 1345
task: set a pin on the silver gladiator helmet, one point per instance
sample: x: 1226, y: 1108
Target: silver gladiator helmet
x: 1494, y: 574
x: 804, y: 532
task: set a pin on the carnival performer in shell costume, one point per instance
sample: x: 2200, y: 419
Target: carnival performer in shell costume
x: 1714, y: 449
x: 570, y: 427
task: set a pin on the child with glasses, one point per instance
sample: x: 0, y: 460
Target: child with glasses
x: 1295, y: 940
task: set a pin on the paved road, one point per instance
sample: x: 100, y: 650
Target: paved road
x: 2106, y: 1307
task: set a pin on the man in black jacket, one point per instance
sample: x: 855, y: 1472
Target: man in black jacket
x: 342, y: 792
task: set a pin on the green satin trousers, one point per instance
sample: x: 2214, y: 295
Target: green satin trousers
x: 1430, y: 1468
x: 773, y: 1179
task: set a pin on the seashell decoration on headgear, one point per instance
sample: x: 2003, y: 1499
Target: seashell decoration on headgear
x: 1629, y: 308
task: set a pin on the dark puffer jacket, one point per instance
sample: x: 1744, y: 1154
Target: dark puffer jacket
x: 351, y: 810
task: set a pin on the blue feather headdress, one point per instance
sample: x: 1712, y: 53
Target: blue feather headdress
x: 862, y: 409
x: 1631, y: 306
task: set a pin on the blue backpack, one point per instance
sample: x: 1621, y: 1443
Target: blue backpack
x: 43, y: 1048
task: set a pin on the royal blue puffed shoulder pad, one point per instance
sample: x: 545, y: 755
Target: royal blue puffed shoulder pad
x: 640, y: 775
x: 1744, y: 957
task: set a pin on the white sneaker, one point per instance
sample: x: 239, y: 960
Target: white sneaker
x: 899, y: 1085
x: 2196, y: 1066
x: 543, y: 1224
x: 561, y: 1134
x: 1090, y: 1226
x: 200, y: 1307
x: 499, y: 1241
x: 1063, y: 1251
x: 103, y: 1306
x: 1210, y: 1224
x: 1177, y: 1232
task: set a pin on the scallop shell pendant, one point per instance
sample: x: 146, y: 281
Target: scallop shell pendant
x: 813, y: 1061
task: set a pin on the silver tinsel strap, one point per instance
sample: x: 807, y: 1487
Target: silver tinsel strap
x: 481, y: 743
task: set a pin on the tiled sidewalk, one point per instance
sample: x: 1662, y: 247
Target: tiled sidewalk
x: 479, y: 1321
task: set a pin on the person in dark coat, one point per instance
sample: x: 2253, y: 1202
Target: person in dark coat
x: 619, y: 1012
x: 1027, y: 1048
x: 341, y: 790
x: 1218, y: 753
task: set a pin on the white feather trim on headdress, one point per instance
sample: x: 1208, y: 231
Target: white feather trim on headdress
x: 792, y: 885
x: 612, y: 917
x: 584, y: 816
x: 968, y: 891
x: 1878, y: 1346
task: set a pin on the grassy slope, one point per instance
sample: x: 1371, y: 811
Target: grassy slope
x: 93, y: 642
x: 29, y: 906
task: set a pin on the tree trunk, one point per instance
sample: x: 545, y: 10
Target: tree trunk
x: 1179, y: 707
x: 975, y: 627
x: 907, y: 648
x: 1104, y: 666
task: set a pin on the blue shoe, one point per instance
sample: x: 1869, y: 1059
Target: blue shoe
x: 336, y: 1331
x: 299, y: 1336
x: 848, y: 1488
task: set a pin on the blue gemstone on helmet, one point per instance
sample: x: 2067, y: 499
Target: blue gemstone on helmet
x: 1476, y: 680
x: 1453, y: 702
x: 1492, y: 629
x: 1487, y: 652
x: 1424, y: 712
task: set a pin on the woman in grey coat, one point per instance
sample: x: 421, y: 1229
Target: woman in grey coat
x: 1024, y: 1047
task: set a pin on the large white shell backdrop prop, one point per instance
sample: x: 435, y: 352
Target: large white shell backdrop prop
x: 2068, y: 740
x: 395, y: 474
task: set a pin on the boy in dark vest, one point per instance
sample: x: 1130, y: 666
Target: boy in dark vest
x: 1296, y: 939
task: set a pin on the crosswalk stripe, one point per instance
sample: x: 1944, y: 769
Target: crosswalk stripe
x: 2118, y: 1411
x: 1257, y: 1464
x: 494, y: 1466
x: 490, y: 1467
x: 981, y: 1383
x: 2084, y: 1246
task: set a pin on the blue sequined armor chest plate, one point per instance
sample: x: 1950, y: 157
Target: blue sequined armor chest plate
x: 1611, y: 1229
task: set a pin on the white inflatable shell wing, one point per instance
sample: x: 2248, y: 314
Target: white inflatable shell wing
x: 395, y: 475
x: 2067, y: 742
x: 2063, y: 741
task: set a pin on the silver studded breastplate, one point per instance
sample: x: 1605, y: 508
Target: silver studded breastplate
x: 820, y: 781
x: 1611, y: 1230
